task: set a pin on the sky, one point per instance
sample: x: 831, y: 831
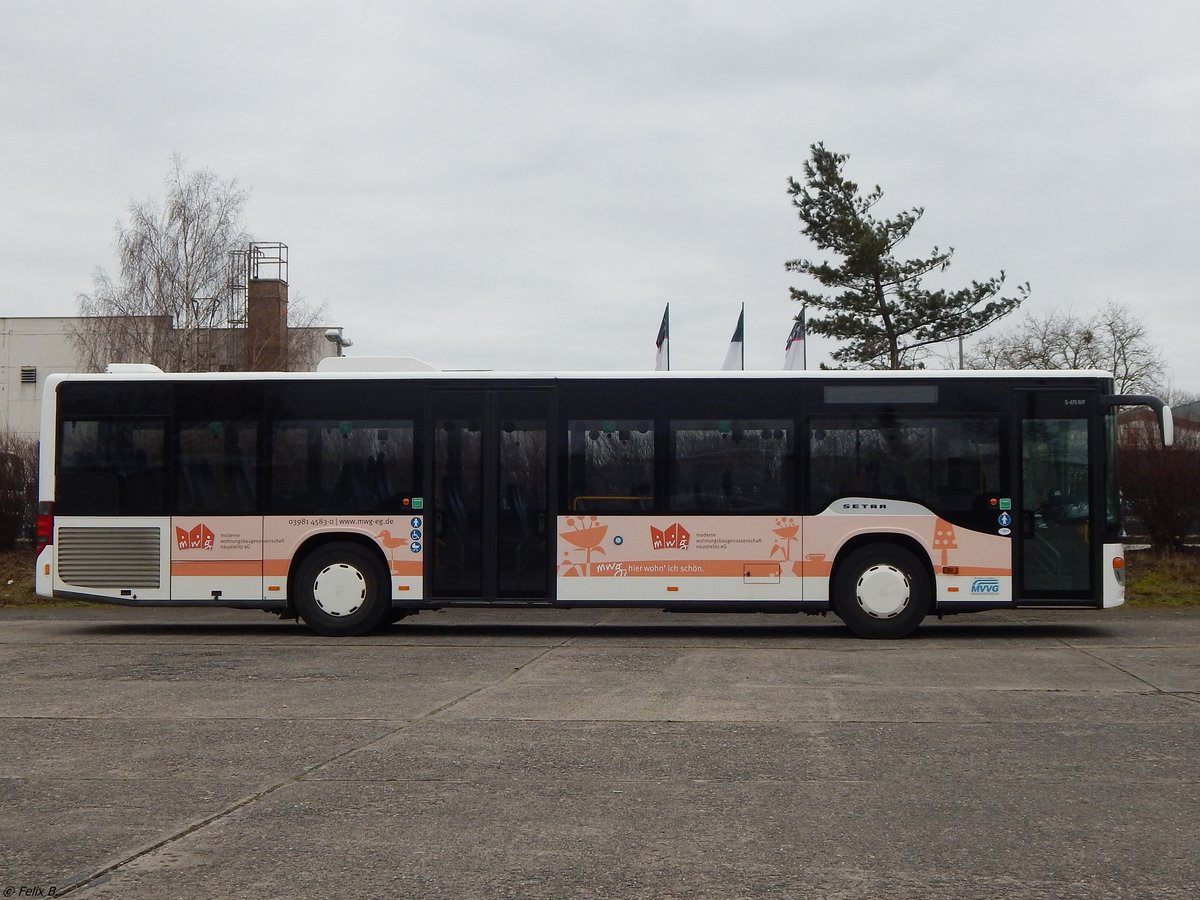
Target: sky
x: 525, y: 185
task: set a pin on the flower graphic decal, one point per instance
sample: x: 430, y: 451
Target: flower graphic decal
x: 786, y: 530
x: 585, y: 533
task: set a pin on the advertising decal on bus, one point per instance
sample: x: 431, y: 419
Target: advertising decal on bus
x: 233, y: 547
x: 761, y: 551
x: 198, y: 538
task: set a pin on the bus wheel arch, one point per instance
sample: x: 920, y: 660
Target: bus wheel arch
x: 882, y: 586
x: 340, y: 585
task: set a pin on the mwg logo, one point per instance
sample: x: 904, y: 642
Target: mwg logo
x: 199, y: 538
x: 675, y: 537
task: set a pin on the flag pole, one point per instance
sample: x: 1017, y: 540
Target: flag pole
x: 662, y: 359
x: 804, y: 336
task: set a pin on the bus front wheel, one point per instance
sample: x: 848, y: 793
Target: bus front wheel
x: 881, y: 591
x: 342, y: 590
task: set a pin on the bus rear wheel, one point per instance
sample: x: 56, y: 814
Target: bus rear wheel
x: 342, y: 590
x: 882, y: 591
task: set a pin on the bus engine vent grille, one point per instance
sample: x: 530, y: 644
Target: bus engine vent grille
x: 110, y: 557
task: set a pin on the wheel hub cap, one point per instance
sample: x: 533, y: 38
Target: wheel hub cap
x: 340, y: 589
x: 883, y: 591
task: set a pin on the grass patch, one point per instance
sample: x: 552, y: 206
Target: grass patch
x: 1163, y: 580
x: 16, y: 582
x: 16, y: 579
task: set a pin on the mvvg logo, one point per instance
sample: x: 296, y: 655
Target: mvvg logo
x: 985, y: 586
x: 199, y: 538
x: 676, y: 537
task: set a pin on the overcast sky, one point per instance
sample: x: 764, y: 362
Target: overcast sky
x: 525, y: 185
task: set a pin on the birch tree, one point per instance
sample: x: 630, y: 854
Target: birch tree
x: 174, y: 281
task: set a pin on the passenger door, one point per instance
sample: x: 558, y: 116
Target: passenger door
x: 1060, y: 508
x: 491, y: 502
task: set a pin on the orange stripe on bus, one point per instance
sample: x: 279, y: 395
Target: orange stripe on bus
x: 976, y: 571
x: 217, y: 567
x: 269, y: 568
x: 276, y: 568
x: 733, y: 568
x: 412, y: 569
x: 699, y: 568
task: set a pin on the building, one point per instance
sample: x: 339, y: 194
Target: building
x: 30, y: 349
x: 253, y: 334
x: 33, y: 347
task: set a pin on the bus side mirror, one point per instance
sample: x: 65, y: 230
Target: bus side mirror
x: 1162, y: 412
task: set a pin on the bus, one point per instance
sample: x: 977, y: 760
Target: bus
x: 351, y: 499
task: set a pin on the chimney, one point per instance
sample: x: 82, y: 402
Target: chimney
x: 266, y: 308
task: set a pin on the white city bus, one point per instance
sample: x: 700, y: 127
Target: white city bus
x: 352, y: 499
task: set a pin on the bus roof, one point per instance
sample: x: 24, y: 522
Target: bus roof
x: 141, y: 373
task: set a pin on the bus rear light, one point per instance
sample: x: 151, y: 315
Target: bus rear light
x: 1118, y: 565
x: 45, y: 526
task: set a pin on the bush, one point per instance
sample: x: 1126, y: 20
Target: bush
x: 1161, y: 485
x: 18, y: 488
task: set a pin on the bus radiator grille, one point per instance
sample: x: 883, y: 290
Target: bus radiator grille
x: 110, y: 557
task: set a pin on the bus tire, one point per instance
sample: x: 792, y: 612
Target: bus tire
x: 342, y: 589
x: 882, y: 591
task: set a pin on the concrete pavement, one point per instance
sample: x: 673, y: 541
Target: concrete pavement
x: 515, y: 753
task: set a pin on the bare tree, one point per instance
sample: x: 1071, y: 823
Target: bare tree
x: 178, y: 302
x: 174, y: 282
x: 1174, y: 395
x: 1112, y: 338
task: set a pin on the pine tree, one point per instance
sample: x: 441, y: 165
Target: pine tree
x: 880, y: 308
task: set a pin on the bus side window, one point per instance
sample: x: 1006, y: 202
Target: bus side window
x: 218, y: 467
x: 947, y: 464
x: 731, y: 465
x: 610, y: 465
x: 355, y: 467
x: 112, y: 466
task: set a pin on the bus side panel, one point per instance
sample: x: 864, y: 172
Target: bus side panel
x: 968, y: 566
x: 217, y: 558
x: 112, y: 559
x: 43, y: 575
x: 400, y: 539
x: 766, y: 559
x: 1114, y: 589
x: 673, y: 559
x: 43, y: 582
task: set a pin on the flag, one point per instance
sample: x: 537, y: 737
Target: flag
x: 662, y: 360
x: 794, y: 356
x: 735, y: 357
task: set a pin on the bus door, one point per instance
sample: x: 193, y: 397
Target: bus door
x: 1059, y: 509
x: 490, y: 504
